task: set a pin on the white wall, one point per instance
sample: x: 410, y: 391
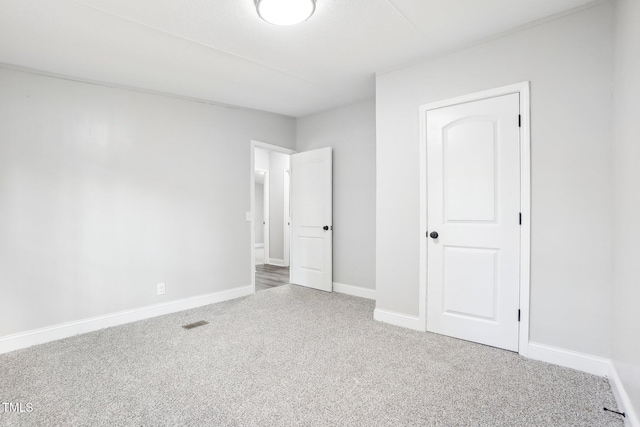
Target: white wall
x: 106, y: 192
x: 351, y: 132
x: 568, y: 61
x: 626, y: 156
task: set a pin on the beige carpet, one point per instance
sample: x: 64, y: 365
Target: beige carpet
x: 290, y: 356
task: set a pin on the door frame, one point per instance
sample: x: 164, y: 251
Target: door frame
x: 252, y: 182
x: 525, y: 200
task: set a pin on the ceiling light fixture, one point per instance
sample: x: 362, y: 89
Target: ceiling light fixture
x: 285, y: 12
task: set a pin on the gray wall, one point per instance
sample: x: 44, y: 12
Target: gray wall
x: 259, y: 211
x: 569, y: 63
x: 351, y: 132
x: 106, y: 192
x: 626, y: 155
x: 278, y: 164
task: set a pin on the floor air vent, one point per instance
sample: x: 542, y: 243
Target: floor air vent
x: 195, y: 325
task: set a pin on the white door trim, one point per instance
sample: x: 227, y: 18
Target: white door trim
x: 252, y: 192
x: 525, y: 201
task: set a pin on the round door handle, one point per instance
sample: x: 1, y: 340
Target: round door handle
x: 325, y: 228
x: 434, y: 235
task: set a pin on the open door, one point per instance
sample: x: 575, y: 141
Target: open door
x: 311, y: 219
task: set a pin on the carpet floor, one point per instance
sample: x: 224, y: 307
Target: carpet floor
x: 290, y: 356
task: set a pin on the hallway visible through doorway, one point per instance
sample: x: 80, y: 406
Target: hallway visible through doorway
x: 271, y: 276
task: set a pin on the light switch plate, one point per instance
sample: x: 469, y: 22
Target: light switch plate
x: 248, y: 216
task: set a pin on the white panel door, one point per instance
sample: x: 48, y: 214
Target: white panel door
x: 311, y: 219
x: 473, y: 250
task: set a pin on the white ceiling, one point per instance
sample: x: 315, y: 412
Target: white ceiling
x: 220, y: 50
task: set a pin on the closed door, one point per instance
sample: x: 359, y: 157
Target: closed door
x: 311, y: 219
x: 473, y: 212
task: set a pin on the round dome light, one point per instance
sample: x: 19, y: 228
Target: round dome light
x: 285, y: 12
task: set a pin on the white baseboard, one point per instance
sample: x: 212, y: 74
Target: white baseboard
x: 593, y: 365
x: 570, y: 359
x: 39, y: 336
x: 259, y: 245
x: 355, y: 291
x: 622, y: 398
x: 398, y: 319
x: 276, y: 261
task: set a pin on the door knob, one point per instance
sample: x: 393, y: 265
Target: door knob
x: 434, y: 235
x: 325, y: 228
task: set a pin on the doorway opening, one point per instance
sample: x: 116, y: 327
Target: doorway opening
x: 271, y: 217
x: 297, y: 217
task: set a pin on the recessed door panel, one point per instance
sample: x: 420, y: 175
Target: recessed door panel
x: 470, y: 170
x: 310, y: 253
x: 309, y: 203
x: 470, y: 282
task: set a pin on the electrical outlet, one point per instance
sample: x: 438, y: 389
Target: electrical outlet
x: 161, y: 288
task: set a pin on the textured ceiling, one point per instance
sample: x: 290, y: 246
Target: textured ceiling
x: 220, y: 50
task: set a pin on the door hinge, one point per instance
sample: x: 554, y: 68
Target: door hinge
x: 518, y: 315
x: 519, y: 121
x: 520, y: 218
